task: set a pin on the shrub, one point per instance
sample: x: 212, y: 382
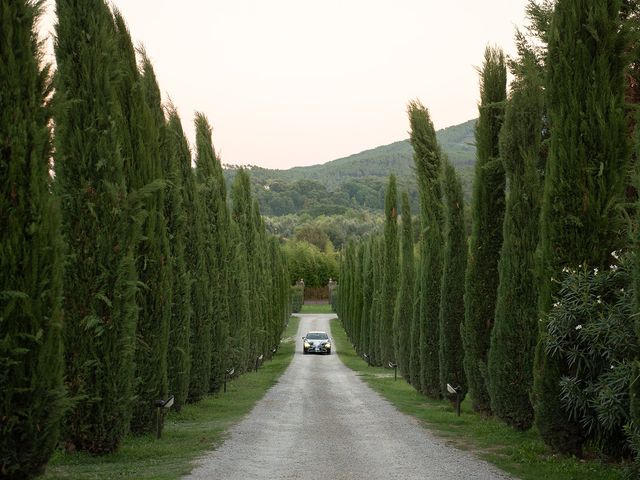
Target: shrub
x: 589, y: 329
x: 297, y: 298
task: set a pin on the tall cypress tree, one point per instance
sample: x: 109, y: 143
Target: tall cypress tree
x: 487, y: 213
x: 514, y: 333
x: 99, y: 279
x: 414, y: 336
x: 452, y: 286
x: 179, y: 361
x: 239, y: 310
x: 213, y: 191
x: 358, y: 296
x: 389, y: 273
x: 153, y: 259
x: 427, y: 159
x: 581, y: 221
x: 367, y: 296
x: 198, y: 261
x: 403, y: 313
x: 31, y: 362
x: 259, y: 284
x: 242, y: 215
x: 376, y: 303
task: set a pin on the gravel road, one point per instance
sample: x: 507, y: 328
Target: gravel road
x: 321, y: 421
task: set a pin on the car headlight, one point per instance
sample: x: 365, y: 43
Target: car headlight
x: 327, y: 345
x: 306, y: 345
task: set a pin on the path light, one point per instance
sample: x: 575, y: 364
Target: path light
x: 162, y: 405
x: 395, y: 370
x: 366, y: 357
x: 457, y: 391
x: 258, y: 360
x: 227, y: 375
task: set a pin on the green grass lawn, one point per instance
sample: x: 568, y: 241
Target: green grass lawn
x: 520, y: 453
x: 187, y: 435
x: 316, y: 308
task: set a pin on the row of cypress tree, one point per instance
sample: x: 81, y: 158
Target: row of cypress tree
x: 553, y: 191
x: 126, y: 275
x: 422, y: 339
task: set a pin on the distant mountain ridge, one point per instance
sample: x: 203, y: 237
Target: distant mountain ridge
x: 355, y: 181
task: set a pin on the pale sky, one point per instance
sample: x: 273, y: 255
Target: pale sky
x: 298, y: 82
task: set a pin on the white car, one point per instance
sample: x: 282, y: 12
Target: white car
x: 316, y: 342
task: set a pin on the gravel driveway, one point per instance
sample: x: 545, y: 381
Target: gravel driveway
x: 321, y: 421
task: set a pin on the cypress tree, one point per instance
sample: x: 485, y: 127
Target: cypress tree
x: 414, y: 336
x: 198, y: 263
x: 452, y: 286
x: 99, y: 279
x: 179, y: 361
x: 348, y: 294
x: 403, y: 313
x: 364, y: 253
x: 581, y: 221
x: 487, y: 213
x: 152, y: 260
x: 376, y: 304
x: 213, y: 192
x: 278, y: 287
x: 514, y: 333
x: 242, y: 214
x: 239, y: 310
x: 367, y: 296
x: 427, y: 159
x: 357, y: 295
x: 389, y: 273
x: 259, y: 284
x: 31, y: 361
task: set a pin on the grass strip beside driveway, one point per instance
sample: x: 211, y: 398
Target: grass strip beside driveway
x: 187, y: 435
x: 522, y: 454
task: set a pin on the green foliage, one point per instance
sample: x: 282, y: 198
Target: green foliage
x: 179, y: 361
x: 588, y: 329
x: 99, y: 223
x: 581, y: 218
x: 451, y: 317
x: 414, y: 350
x: 367, y: 297
x: 31, y: 361
x: 239, y: 308
x: 376, y: 301
x: 514, y: 333
x: 428, y: 160
x: 307, y: 262
x: 354, y: 224
x: 487, y: 213
x: 403, y: 313
x: 312, y: 233
x: 390, y: 273
x: 297, y: 298
x: 356, y: 182
x: 212, y: 189
x: 144, y: 155
x: 153, y: 257
x: 634, y: 424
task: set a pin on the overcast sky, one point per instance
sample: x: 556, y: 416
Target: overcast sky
x: 300, y: 82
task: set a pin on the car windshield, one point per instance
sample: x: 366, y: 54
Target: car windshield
x: 317, y: 336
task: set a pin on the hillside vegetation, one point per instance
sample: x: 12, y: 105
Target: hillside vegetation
x: 357, y: 181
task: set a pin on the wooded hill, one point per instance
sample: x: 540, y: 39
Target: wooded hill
x: 357, y: 181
